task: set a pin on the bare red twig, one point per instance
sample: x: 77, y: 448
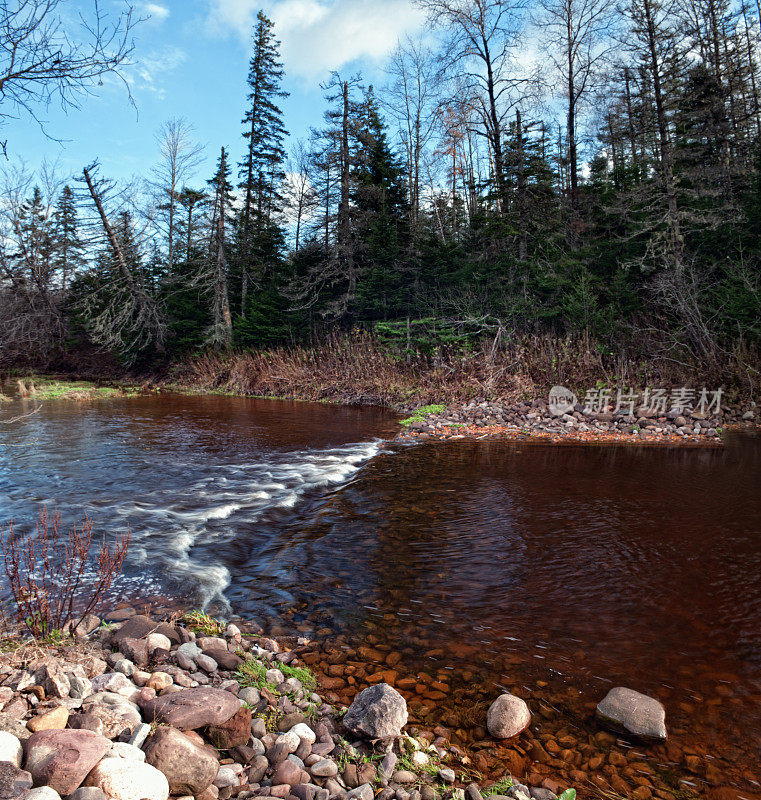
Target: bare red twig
x: 48, y: 572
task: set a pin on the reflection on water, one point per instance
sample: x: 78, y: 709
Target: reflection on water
x: 555, y: 571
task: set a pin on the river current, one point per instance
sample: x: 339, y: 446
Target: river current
x: 546, y: 569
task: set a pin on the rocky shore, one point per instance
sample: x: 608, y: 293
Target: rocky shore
x: 135, y: 708
x: 536, y: 421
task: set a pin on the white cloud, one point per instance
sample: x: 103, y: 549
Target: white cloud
x: 147, y: 74
x: 157, y: 13
x: 322, y: 35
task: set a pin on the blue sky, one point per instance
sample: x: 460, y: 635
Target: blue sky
x: 191, y: 60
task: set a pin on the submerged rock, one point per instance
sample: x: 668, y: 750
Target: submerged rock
x: 624, y: 710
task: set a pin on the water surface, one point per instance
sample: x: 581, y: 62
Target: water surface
x: 557, y: 572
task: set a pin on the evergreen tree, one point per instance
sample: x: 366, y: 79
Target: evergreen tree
x: 261, y: 171
x: 381, y: 214
x: 35, y: 241
x: 68, y: 255
x: 217, y: 274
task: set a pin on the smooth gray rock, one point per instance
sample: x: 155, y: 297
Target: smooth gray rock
x: 88, y: 793
x: 43, y: 793
x: 363, y: 792
x: 627, y: 711
x: 447, y: 774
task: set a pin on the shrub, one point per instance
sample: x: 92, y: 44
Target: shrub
x: 48, y: 572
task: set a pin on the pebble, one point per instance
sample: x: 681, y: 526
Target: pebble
x: 325, y: 769
x: 447, y: 775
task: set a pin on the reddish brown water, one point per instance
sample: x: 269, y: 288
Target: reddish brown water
x: 556, y: 572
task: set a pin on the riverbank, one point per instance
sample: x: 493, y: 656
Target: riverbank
x: 608, y: 420
x: 537, y: 421
x: 132, y: 707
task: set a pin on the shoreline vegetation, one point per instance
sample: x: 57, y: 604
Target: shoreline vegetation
x: 475, y: 394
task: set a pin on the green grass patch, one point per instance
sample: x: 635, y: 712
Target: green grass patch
x: 500, y: 787
x: 253, y: 673
x: 199, y: 622
x: 422, y: 413
x: 41, y: 387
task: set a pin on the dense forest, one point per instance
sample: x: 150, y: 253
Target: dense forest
x: 562, y: 168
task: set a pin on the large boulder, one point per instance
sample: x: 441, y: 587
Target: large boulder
x: 626, y: 711
x: 62, y: 759
x: 189, y: 767
x: 377, y: 712
x: 136, y: 627
x: 508, y: 716
x: 129, y: 780
x: 189, y: 709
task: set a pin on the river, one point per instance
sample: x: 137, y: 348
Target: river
x: 554, y: 571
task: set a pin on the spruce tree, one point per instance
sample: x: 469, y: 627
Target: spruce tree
x: 68, y: 248
x: 261, y: 171
x: 221, y: 219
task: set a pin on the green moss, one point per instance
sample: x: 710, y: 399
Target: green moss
x: 422, y: 413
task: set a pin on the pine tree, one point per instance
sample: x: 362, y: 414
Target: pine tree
x: 381, y: 214
x: 34, y: 236
x: 221, y: 219
x: 262, y: 168
x: 68, y: 255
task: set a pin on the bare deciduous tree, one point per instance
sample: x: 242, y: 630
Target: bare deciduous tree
x: 122, y: 315
x: 484, y: 37
x: 577, y: 49
x: 43, y: 60
x: 412, y: 98
x: 180, y: 156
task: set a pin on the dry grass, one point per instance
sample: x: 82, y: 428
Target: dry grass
x: 356, y: 368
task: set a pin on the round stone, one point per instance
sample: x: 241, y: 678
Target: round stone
x: 508, y: 716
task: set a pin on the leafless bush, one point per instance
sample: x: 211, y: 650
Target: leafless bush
x: 358, y: 367
x: 49, y: 572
